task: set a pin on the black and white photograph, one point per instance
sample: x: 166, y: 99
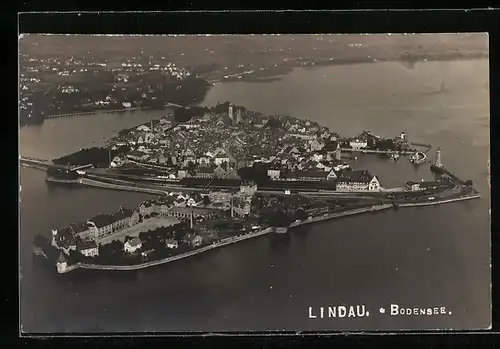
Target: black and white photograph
x: 235, y: 183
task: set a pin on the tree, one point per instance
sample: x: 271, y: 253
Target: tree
x: 257, y: 202
x: 256, y: 173
x: 301, y: 214
x: 123, y: 132
x: 179, y: 234
x: 144, y: 235
x: 181, y: 115
x: 274, y: 123
x: 191, y: 165
x: 278, y: 219
x: 206, y: 200
x: 385, y: 144
x: 220, y: 108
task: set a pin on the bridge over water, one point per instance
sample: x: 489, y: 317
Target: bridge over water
x: 46, y: 164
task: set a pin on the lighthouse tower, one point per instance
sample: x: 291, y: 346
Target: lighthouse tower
x: 437, y: 162
x: 338, y: 152
x: 231, y: 111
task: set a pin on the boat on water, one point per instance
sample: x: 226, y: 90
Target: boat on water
x: 418, y: 158
x: 281, y: 230
x: 394, y: 156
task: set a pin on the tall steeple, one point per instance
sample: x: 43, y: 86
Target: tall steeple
x: 338, y: 152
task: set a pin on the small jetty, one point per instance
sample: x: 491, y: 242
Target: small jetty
x: 427, y: 146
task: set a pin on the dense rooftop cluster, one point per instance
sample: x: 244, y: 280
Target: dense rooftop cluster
x: 227, y: 139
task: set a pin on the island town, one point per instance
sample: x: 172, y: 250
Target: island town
x: 224, y: 174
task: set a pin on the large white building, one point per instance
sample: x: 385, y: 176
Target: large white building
x: 104, y: 225
x: 412, y: 186
x: 221, y: 158
x: 357, y: 144
x: 132, y: 245
x: 171, y: 243
x: 316, y: 145
x: 349, y: 181
x: 89, y: 249
x: 273, y: 173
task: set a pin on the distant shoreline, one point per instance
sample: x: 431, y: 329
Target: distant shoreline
x: 275, y: 74
x: 278, y: 73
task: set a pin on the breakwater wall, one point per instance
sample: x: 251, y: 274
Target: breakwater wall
x: 34, y: 163
x: 40, y: 164
x: 373, y: 208
x: 63, y: 181
x: 92, y: 183
x: 428, y: 146
x: 109, y: 179
x: 221, y: 243
x: 371, y: 151
x: 41, y: 167
x: 438, y: 202
x: 117, y: 184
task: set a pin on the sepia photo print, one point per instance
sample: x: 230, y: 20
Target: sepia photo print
x: 232, y: 183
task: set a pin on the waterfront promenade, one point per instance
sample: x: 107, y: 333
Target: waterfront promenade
x: 55, y: 116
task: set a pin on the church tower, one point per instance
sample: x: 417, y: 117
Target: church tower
x: 231, y: 111
x: 238, y: 116
x: 61, y: 264
x: 338, y: 152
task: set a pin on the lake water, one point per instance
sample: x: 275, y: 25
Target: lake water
x: 418, y: 257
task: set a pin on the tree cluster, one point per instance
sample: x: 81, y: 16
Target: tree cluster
x: 186, y: 114
x: 99, y: 157
x: 385, y: 144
